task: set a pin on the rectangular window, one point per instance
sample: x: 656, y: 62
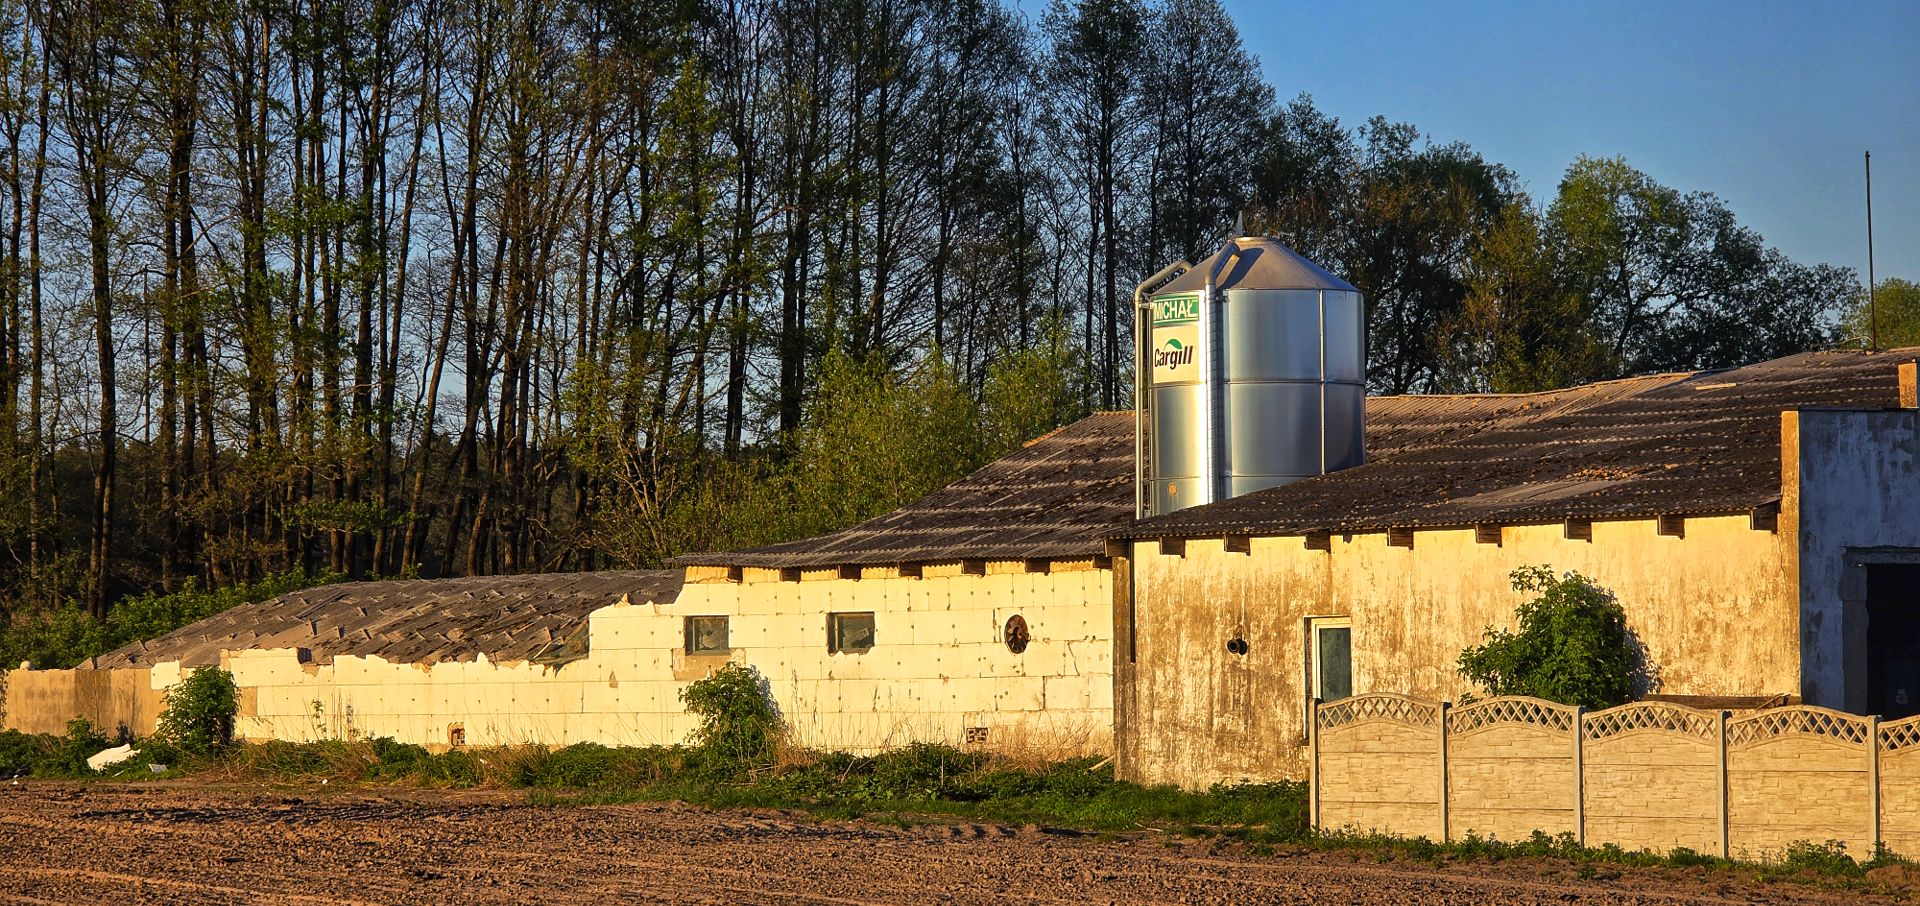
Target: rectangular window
x: 849, y: 632
x: 707, y: 635
x: 1330, y: 658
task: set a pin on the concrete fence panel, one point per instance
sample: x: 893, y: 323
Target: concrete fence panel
x: 1899, y: 781
x: 1379, y: 760
x: 1799, y: 774
x: 1512, y: 768
x: 1643, y: 776
x: 1652, y: 777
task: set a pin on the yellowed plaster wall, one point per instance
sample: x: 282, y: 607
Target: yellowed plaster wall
x: 939, y: 667
x: 42, y: 701
x: 1717, y: 609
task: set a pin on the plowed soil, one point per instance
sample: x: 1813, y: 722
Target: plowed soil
x: 198, y: 844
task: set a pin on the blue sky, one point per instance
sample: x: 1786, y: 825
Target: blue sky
x: 1766, y: 104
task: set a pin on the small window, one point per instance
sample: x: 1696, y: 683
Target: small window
x: 851, y: 632
x: 707, y: 635
x: 1330, y: 658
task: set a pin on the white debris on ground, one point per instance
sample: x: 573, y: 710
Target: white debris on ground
x: 109, y: 757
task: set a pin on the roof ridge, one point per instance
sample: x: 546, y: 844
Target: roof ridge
x: 1674, y: 375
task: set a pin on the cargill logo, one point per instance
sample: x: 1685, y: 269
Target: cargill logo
x: 1172, y: 354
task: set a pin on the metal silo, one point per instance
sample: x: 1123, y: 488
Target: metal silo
x: 1250, y: 372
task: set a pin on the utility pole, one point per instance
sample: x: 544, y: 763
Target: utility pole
x: 1873, y: 309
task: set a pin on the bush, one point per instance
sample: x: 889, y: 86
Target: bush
x: 1829, y: 858
x: 68, y: 756
x: 1572, y: 646
x: 21, y: 752
x: 198, y: 719
x: 738, y: 721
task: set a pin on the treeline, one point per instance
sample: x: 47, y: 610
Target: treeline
x: 385, y: 287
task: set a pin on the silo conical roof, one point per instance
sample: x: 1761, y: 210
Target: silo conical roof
x: 1262, y: 263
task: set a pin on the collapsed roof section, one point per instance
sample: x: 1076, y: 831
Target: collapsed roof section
x: 1672, y: 445
x: 506, y: 618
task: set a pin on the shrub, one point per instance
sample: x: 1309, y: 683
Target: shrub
x: 68, y: 756
x: 1572, y: 645
x: 200, y: 710
x: 394, y: 760
x: 1829, y: 858
x: 738, y: 721
x: 21, y: 752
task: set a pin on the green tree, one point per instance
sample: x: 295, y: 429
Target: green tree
x: 1522, y: 326
x: 874, y: 441
x: 1671, y: 281
x: 1898, y: 302
x: 1572, y: 645
x: 1030, y: 391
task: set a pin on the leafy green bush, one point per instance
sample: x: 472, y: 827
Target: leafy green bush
x: 200, y: 710
x: 395, y: 760
x: 1572, y: 646
x: 21, y: 752
x: 1829, y: 858
x: 68, y: 756
x: 462, y: 769
x: 738, y: 721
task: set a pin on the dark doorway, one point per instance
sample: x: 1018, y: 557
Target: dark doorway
x: 1893, y: 640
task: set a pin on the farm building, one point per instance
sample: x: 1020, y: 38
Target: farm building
x: 979, y: 614
x: 982, y: 614
x: 1174, y: 585
x: 1761, y: 527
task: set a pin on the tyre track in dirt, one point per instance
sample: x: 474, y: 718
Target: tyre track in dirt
x: 198, y: 844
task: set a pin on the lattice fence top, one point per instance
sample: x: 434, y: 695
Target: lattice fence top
x: 1900, y: 735
x: 1379, y: 706
x: 1659, y: 716
x: 1511, y: 711
x: 1797, y: 720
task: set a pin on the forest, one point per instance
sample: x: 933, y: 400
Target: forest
x: 456, y: 287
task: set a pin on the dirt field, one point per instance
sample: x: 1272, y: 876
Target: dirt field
x: 100, y: 843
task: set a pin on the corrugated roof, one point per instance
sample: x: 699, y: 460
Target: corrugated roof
x: 506, y: 618
x: 1672, y: 445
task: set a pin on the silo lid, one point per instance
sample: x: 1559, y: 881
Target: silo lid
x: 1261, y: 263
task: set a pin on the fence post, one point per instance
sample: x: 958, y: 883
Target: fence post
x: 1446, y: 823
x: 1873, y: 785
x: 1579, y: 776
x: 1313, y: 762
x: 1727, y: 849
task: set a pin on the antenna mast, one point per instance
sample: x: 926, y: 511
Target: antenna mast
x: 1873, y: 309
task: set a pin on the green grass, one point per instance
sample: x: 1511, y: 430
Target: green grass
x: 914, y: 784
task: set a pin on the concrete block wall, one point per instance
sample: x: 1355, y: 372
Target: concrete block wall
x: 1643, y: 776
x: 939, y: 671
